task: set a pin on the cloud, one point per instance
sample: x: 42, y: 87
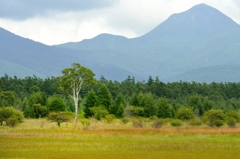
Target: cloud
x: 24, y: 9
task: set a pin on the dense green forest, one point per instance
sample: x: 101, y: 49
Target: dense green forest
x: 35, y: 97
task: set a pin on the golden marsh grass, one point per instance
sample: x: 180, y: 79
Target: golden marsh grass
x: 103, y: 140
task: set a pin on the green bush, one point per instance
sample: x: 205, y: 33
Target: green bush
x: 110, y: 117
x: 99, y: 112
x: 184, y: 114
x: 176, y: 123
x: 195, y: 122
x: 10, y: 116
x: 231, y: 122
x: 214, y: 118
x: 85, y: 122
x: 233, y: 114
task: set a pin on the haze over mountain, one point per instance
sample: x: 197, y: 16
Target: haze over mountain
x: 191, y: 45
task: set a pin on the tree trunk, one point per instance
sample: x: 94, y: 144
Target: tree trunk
x: 76, y: 109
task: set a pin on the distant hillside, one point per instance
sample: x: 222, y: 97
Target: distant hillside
x: 224, y: 73
x: 185, y: 46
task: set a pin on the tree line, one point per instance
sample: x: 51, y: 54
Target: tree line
x: 37, y: 97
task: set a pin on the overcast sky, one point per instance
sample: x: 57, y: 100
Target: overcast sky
x: 59, y: 21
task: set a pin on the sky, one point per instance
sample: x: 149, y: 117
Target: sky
x: 59, y: 21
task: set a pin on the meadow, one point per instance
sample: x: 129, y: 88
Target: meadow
x: 39, y: 138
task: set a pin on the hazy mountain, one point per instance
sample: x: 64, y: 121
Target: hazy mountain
x: 191, y: 45
x: 23, y: 57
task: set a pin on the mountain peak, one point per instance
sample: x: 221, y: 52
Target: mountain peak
x: 202, y: 20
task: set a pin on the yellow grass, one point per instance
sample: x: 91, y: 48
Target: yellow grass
x: 42, y: 139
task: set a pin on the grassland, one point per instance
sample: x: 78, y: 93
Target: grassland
x: 42, y: 139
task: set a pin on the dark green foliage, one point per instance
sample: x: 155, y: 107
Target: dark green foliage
x: 214, y: 118
x: 143, y: 100
x: 104, y: 97
x: 10, y: 116
x: 149, y: 105
x: 90, y: 102
x: 118, y: 106
x: 164, y: 108
x: 184, y: 114
x: 207, y: 104
x: 134, y: 100
x: 196, y: 104
x: 7, y: 98
x: 58, y: 117
x: 55, y: 103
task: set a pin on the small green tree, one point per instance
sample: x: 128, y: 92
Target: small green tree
x: 10, y: 116
x: 58, y: 117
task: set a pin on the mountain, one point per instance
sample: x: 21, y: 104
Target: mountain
x: 23, y: 57
x: 192, y: 45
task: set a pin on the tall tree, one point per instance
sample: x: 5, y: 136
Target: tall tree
x: 104, y: 97
x: 72, y: 81
x: 164, y: 108
x: 90, y: 101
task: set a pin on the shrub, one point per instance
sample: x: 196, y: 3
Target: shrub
x: 233, y: 114
x: 214, y: 118
x: 125, y: 120
x: 195, y: 122
x: 157, y: 123
x: 176, y: 122
x: 110, y: 117
x: 10, y: 116
x: 138, y: 123
x: 184, y: 114
x: 99, y: 112
x: 231, y: 122
x: 85, y: 122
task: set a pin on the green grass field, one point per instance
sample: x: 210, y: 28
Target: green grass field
x: 42, y: 139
